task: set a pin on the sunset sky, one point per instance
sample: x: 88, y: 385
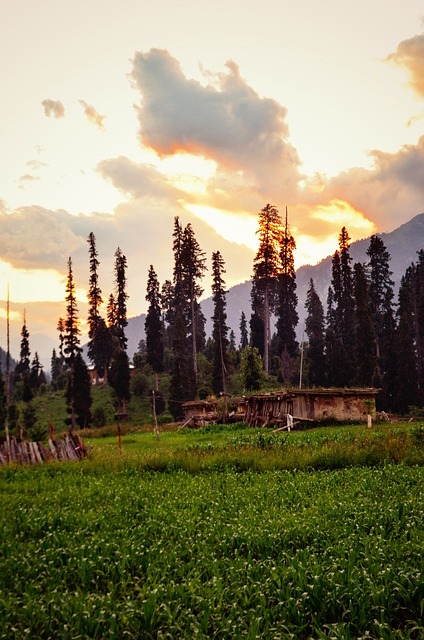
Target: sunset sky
x: 118, y: 116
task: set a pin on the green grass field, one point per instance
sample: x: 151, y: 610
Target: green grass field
x: 219, y: 533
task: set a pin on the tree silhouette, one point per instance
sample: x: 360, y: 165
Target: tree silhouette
x: 266, y: 268
x: 220, y: 361
x: 153, y: 325
x: 315, y: 328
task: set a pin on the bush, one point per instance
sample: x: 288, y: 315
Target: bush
x: 99, y: 417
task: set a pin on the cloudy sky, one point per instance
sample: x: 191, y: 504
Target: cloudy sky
x: 118, y: 116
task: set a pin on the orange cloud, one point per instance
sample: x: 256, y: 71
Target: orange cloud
x: 92, y: 115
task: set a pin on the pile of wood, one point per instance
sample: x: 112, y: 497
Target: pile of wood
x: 27, y: 452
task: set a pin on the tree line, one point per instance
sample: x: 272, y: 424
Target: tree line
x: 363, y: 338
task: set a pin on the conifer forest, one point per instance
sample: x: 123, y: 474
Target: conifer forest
x: 361, y: 335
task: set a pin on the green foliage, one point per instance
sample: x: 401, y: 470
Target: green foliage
x: 99, y: 417
x: 138, y: 384
x: 251, y: 369
x: 100, y: 550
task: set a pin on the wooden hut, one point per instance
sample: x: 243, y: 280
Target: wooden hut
x: 310, y: 405
x: 199, y: 413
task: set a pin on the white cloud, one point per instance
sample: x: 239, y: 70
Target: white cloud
x: 410, y: 55
x: 53, y: 108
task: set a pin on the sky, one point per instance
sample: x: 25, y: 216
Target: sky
x: 119, y: 116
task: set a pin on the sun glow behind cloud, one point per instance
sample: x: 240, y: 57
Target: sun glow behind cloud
x: 342, y: 213
x: 238, y: 228
x: 33, y: 285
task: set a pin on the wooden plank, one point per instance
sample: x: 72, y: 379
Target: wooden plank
x: 53, y: 449
x: 36, y: 452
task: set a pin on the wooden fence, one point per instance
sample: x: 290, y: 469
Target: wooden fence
x: 28, y: 452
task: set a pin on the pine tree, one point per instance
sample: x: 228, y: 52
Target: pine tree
x: 220, y: 362
x: 193, y: 268
x: 61, y: 330
x: 153, y: 325
x: 287, y: 317
x: 71, y: 342
x: 37, y: 377
x: 244, y: 336
x: 111, y: 311
x: 418, y: 281
x: 71, y: 336
x: 251, y: 369
x: 167, y: 298
x: 121, y: 297
x: 119, y: 380
x: 382, y: 314
x: 23, y: 366
x: 94, y: 292
x: 334, y: 352
x: 315, y: 328
x: 55, y: 367
x: 186, y: 322
x: 103, y: 348
x: 266, y: 268
x: 183, y: 383
x: 365, y: 335
x: 407, y: 394
x: 78, y: 394
x: 344, y: 307
x: 96, y: 324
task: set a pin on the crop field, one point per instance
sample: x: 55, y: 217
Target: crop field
x: 209, y: 534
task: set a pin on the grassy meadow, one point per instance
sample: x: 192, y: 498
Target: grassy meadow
x: 223, y: 532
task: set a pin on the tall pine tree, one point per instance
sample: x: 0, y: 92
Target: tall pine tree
x: 193, y: 268
x: 287, y: 317
x: 183, y: 381
x: 365, y: 336
x: 99, y: 344
x: 71, y: 325
x: 79, y: 383
x: 342, y: 322
x: 23, y: 366
x: 407, y: 391
x: 121, y: 297
x: 220, y: 362
x: 153, y: 325
x: 314, y: 328
x: 382, y: 314
x: 244, y: 336
x: 266, y: 268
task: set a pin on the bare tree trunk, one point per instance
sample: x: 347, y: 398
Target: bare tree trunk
x: 267, y: 331
x: 193, y: 340
x: 155, y: 416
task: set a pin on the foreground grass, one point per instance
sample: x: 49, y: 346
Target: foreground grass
x: 238, y: 447
x: 91, y: 552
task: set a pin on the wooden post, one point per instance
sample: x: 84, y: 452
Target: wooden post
x: 155, y: 416
x: 119, y: 437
